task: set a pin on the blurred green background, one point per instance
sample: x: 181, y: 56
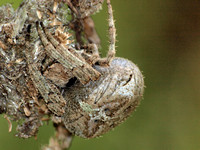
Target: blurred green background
x: 163, y: 39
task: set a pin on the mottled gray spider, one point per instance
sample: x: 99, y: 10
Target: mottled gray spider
x: 109, y: 89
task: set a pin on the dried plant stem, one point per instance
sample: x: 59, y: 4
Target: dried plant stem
x: 61, y: 141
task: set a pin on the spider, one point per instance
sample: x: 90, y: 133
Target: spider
x: 77, y: 64
x: 107, y: 91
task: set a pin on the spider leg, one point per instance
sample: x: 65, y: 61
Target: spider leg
x: 112, y: 33
x: 92, y: 56
x: 52, y: 96
x: 83, y: 71
x: 112, y: 37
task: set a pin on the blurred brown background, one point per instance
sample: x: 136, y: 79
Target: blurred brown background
x: 163, y: 39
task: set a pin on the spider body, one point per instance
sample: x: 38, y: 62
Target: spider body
x: 98, y: 106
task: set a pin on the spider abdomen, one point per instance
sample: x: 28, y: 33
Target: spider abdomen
x: 98, y: 106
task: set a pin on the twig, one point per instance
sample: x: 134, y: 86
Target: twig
x: 62, y: 139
